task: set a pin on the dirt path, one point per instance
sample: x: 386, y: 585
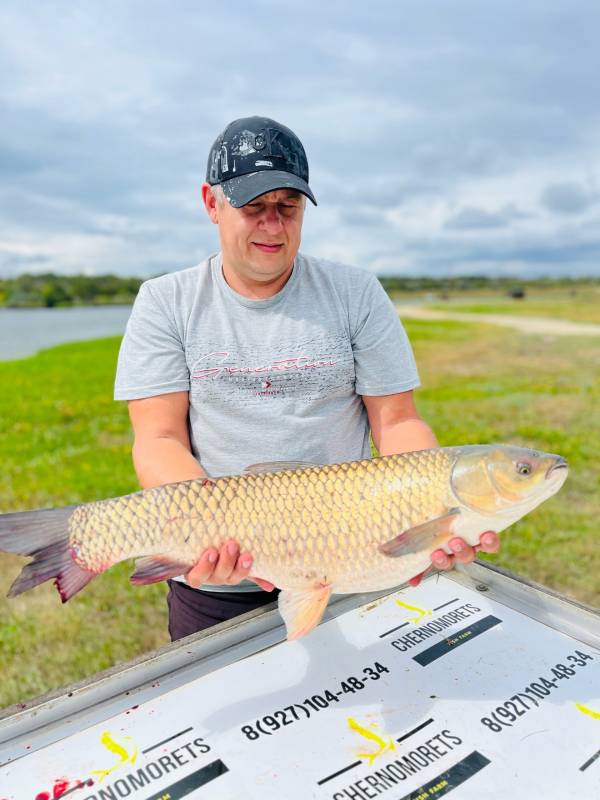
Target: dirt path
x: 535, y: 325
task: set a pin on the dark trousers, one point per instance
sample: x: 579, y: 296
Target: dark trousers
x: 193, y: 610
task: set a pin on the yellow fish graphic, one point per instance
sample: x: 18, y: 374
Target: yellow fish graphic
x: 114, y: 747
x: 588, y: 711
x: 384, y: 744
x: 422, y: 612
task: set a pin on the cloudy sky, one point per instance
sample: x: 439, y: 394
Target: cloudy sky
x: 443, y: 137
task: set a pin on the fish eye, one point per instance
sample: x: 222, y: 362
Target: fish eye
x: 524, y: 468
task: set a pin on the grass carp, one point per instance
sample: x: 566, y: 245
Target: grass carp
x: 312, y: 530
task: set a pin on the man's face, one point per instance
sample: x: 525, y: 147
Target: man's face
x: 260, y: 240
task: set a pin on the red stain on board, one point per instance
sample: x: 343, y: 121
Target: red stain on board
x: 60, y: 787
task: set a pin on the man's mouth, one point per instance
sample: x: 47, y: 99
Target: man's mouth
x: 268, y: 248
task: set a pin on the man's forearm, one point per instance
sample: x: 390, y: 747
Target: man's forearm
x: 160, y: 460
x: 405, y: 436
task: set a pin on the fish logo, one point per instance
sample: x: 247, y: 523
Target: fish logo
x: 588, y: 711
x: 422, y: 612
x: 385, y: 744
x: 125, y: 757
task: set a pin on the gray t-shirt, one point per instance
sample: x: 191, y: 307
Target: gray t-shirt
x: 269, y: 380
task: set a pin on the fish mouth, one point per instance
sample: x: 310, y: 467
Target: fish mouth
x: 559, y: 464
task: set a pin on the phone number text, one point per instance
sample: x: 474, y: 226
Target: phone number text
x: 505, y: 715
x: 277, y: 720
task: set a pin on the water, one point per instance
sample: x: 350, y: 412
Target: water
x: 24, y: 331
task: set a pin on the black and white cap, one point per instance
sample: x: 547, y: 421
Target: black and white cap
x: 255, y: 155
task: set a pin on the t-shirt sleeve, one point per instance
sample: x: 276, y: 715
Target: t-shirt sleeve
x: 151, y: 359
x: 383, y: 358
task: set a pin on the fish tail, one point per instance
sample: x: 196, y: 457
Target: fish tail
x: 44, y: 535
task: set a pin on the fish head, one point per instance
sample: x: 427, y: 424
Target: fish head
x: 502, y: 479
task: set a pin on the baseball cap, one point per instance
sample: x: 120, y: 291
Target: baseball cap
x: 255, y: 155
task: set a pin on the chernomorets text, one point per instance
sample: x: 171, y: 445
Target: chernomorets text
x: 423, y: 632
x: 152, y: 771
x: 388, y: 775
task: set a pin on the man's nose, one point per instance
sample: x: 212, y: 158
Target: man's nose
x: 271, y: 218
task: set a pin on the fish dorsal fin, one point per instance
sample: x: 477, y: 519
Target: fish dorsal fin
x: 277, y: 466
x: 429, y: 536
x: 302, y: 609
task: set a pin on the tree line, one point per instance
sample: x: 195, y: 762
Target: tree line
x: 462, y: 283
x: 48, y: 290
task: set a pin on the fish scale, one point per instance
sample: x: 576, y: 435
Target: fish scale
x: 317, y: 510
x: 312, y: 530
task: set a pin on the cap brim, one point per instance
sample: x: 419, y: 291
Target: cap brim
x: 246, y: 188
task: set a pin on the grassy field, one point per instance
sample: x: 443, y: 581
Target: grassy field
x: 63, y: 440
x: 578, y: 306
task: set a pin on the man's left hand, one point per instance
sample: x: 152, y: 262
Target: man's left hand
x: 489, y: 542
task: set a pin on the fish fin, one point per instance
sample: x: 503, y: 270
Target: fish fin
x: 43, y: 534
x: 428, y: 536
x: 302, y: 609
x: 26, y: 532
x: 277, y: 466
x: 152, y: 569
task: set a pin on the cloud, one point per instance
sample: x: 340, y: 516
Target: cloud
x: 476, y: 218
x: 433, y: 139
x: 566, y: 198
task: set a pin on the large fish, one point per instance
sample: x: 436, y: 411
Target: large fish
x: 313, y: 530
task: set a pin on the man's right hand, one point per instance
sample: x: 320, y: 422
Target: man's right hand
x: 226, y: 566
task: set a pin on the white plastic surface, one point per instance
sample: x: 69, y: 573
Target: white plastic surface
x: 443, y: 692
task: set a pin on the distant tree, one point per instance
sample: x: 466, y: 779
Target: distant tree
x: 53, y: 293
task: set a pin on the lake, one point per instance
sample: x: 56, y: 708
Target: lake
x: 24, y: 331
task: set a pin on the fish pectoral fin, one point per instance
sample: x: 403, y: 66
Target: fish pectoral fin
x: 277, y: 466
x: 152, y: 569
x: 302, y: 609
x: 428, y: 536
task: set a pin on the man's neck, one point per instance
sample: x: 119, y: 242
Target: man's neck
x: 255, y: 289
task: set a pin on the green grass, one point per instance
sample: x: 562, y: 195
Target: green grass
x: 63, y: 440
x: 583, y: 306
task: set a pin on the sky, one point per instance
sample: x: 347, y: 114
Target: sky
x: 443, y: 138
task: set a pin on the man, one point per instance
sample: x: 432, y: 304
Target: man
x: 261, y: 354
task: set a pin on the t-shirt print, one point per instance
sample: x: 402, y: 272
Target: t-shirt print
x: 308, y: 370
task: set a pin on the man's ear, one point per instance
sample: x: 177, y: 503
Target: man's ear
x: 210, y: 203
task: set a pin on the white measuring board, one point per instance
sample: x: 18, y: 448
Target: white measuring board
x: 427, y: 692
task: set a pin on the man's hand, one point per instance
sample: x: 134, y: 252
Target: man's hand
x: 224, y: 566
x: 489, y: 542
